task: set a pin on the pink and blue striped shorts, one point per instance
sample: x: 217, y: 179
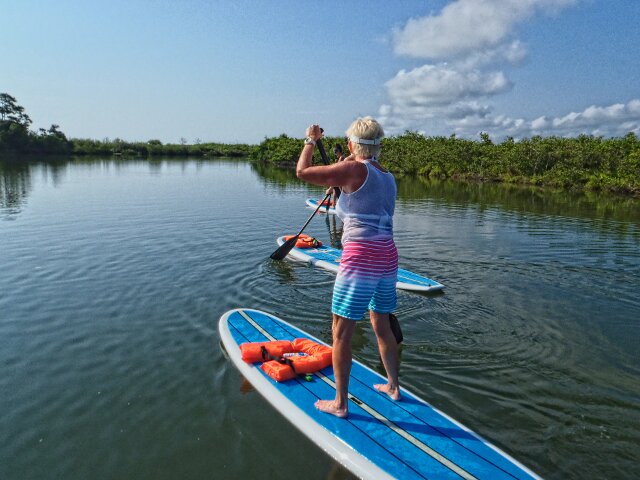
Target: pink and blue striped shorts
x: 366, y: 279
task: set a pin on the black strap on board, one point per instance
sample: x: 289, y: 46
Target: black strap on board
x: 267, y: 356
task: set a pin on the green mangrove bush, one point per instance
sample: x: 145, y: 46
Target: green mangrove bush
x: 583, y: 162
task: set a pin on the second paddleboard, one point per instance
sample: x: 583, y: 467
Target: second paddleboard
x: 329, y: 259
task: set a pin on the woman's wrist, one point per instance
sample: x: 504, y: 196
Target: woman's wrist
x: 310, y: 141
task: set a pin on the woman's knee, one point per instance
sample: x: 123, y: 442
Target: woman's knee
x: 380, y: 323
x: 342, y: 329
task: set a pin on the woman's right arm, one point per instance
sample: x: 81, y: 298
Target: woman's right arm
x: 347, y: 175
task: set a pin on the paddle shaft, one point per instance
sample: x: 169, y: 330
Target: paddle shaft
x: 311, y: 217
x: 325, y: 160
x: 286, y: 247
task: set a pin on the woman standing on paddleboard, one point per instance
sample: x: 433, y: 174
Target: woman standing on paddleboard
x: 368, y: 270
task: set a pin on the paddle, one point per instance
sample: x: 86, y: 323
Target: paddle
x: 325, y: 160
x: 286, y: 247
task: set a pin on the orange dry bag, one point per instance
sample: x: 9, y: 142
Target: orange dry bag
x: 305, y: 241
x: 298, y: 357
x: 255, y: 351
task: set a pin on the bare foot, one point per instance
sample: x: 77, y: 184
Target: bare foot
x: 393, y: 392
x: 329, y: 406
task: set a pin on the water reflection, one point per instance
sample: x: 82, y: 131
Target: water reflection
x: 276, y: 177
x: 621, y: 215
x: 16, y: 181
x: 334, y: 227
x: 518, y: 198
x: 513, y: 198
x: 15, y: 186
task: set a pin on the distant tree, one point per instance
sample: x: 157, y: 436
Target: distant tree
x: 14, y: 136
x: 484, y: 136
x: 54, y: 130
x: 12, y: 112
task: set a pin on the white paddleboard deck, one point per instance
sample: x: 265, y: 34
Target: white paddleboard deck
x: 329, y: 258
x: 380, y: 439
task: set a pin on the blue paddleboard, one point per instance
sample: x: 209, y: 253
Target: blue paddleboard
x: 313, y: 203
x: 381, y: 438
x: 329, y: 258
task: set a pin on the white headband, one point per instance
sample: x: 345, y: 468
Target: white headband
x: 365, y: 141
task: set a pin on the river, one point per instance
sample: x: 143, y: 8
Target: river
x: 113, y: 275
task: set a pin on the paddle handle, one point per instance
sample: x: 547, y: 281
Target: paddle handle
x: 323, y: 152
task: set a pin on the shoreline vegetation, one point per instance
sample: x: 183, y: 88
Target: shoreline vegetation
x: 578, y: 163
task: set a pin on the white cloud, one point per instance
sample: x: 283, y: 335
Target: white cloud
x: 431, y: 85
x: 594, y: 115
x: 512, y: 53
x: 540, y: 124
x: 612, y: 120
x: 466, y: 26
x: 470, y: 39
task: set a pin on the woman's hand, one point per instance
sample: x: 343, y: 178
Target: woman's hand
x: 314, y: 132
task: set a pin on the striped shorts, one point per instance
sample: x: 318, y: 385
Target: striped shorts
x: 366, y: 279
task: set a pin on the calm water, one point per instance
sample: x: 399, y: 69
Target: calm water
x: 113, y: 276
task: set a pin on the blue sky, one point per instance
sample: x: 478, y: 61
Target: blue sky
x: 244, y: 70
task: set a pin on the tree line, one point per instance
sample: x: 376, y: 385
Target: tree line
x: 16, y: 138
x: 583, y: 162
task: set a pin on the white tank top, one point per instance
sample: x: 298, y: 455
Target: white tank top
x: 367, y: 213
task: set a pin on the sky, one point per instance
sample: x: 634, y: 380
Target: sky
x: 241, y: 71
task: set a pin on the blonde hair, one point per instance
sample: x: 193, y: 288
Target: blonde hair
x: 365, y: 128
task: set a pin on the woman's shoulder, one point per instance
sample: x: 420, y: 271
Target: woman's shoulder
x: 377, y: 166
x: 354, y: 172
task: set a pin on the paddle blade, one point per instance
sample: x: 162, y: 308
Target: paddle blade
x: 285, y: 248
